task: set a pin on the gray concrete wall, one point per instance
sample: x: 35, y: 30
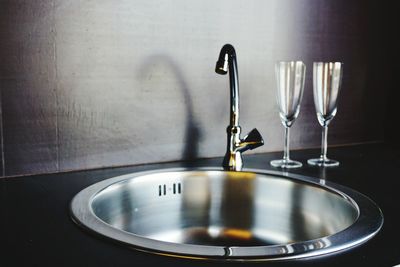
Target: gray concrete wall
x: 87, y: 84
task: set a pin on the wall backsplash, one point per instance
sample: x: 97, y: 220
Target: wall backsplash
x: 87, y: 84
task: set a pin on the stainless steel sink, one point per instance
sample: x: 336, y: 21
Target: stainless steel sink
x: 226, y: 215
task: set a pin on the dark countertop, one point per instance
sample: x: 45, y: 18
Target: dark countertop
x: 36, y: 229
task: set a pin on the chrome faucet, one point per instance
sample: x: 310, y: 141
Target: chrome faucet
x: 235, y: 146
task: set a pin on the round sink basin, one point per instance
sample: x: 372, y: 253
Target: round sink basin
x: 223, y: 215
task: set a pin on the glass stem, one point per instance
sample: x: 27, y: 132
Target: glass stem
x: 324, y: 146
x: 286, y: 155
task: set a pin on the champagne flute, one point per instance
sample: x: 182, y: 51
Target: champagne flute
x: 327, y: 79
x: 290, y: 77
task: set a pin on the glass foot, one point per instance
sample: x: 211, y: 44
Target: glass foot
x: 323, y: 162
x: 286, y: 163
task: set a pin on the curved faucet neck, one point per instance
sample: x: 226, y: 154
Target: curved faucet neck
x: 234, y: 86
x: 227, y: 58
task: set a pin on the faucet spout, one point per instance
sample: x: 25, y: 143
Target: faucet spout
x: 227, y: 63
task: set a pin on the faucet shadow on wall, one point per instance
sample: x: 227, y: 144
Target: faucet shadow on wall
x: 192, y: 131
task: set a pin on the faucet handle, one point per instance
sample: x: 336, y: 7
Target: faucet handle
x: 252, y: 140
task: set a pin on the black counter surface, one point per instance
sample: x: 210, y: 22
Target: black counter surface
x: 36, y: 228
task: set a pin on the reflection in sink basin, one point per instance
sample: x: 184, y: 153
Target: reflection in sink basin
x: 215, y: 214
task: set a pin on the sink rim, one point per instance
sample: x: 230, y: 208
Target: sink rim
x: 369, y: 222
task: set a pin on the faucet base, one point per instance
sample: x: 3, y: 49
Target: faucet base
x: 233, y: 161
